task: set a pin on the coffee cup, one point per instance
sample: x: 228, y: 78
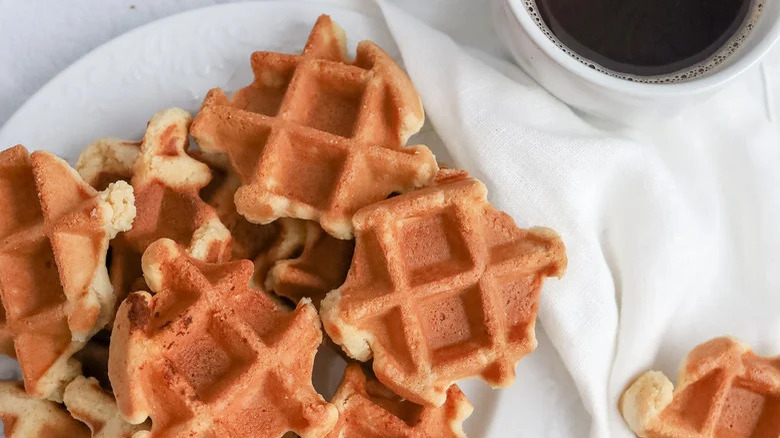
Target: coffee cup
x: 608, y: 96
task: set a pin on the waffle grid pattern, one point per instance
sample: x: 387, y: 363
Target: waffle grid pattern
x: 219, y: 346
x: 51, y: 302
x: 429, y: 283
x: 316, y: 138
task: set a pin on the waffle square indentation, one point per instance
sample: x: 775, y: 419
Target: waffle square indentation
x: 212, y: 362
x: 453, y: 323
x: 392, y: 333
x: 245, y: 144
x: 691, y: 407
x: 433, y: 247
x: 30, y: 280
x: 273, y: 74
x: 18, y: 187
x: 517, y: 298
x: 312, y: 171
x: 748, y: 413
x: 330, y: 103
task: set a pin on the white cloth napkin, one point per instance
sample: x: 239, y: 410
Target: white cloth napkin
x: 671, y: 229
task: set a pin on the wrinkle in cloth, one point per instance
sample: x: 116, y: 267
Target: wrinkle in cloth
x: 670, y: 227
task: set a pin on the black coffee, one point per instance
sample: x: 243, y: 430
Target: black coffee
x: 644, y: 37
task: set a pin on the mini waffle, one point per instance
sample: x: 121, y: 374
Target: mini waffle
x: 231, y: 360
x: 167, y: 182
x: 367, y: 409
x: 321, y: 267
x: 25, y: 416
x: 723, y: 390
x: 54, y: 234
x: 442, y: 287
x: 110, y: 159
x: 89, y: 403
x: 317, y: 137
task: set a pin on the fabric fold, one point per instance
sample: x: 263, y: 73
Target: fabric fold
x: 641, y: 210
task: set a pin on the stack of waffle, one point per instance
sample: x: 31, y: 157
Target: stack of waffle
x: 214, y: 271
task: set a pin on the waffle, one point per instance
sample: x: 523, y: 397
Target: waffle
x: 367, y: 409
x: 442, y: 287
x: 321, y: 267
x: 108, y: 160
x: 233, y: 362
x: 54, y: 234
x: 25, y: 416
x: 723, y: 390
x: 89, y: 403
x: 167, y: 182
x: 316, y: 136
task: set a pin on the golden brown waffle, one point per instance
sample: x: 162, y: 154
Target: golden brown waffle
x: 167, y: 182
x: 317, y: 137
x: 54, y: 234
x: 231, y: 360
x: 723, y: 390
x: 321, y: 267
x: 89, y: 403
x: 442, y: 287
x: 25, y: 416
x: 367, y: 409
x: 108, y: 160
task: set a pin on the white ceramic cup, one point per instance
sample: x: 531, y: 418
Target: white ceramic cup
x: 613, y: 98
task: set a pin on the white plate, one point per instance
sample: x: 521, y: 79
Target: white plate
x: 114, y: 90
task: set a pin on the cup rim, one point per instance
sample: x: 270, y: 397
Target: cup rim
x: 517, y: 10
